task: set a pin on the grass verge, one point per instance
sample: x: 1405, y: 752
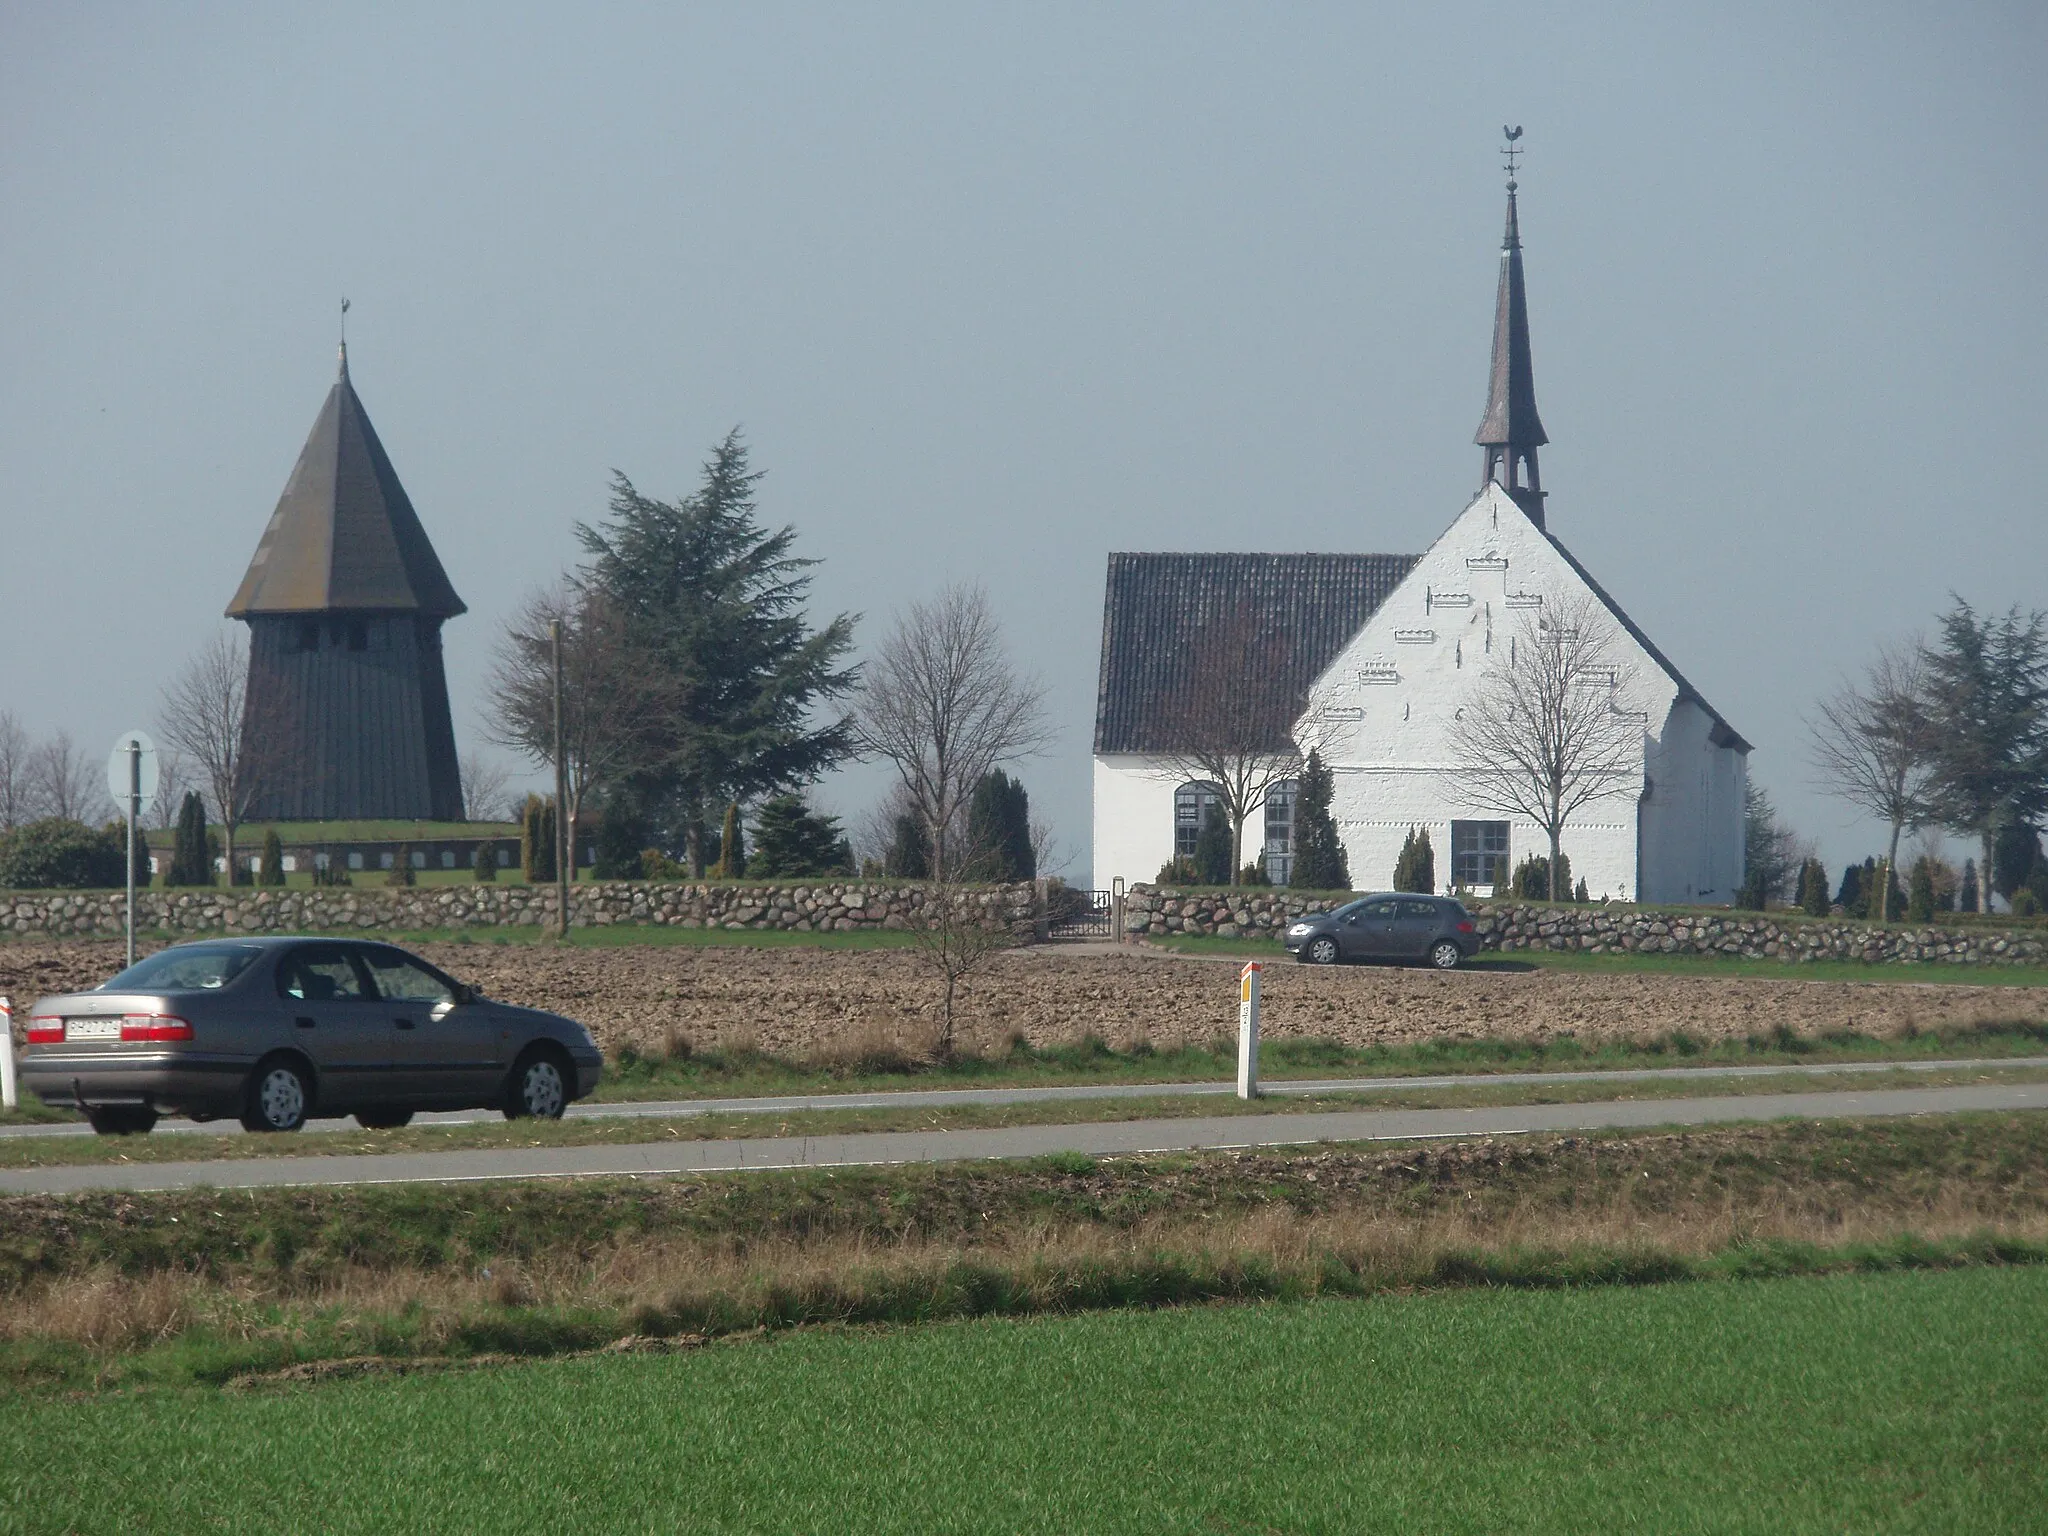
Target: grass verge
x: 72, y: 1151
x: 203, y: 1286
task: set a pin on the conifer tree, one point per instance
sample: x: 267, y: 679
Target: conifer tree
x: 1415, y: 869
x: 716, y: 601
x: 270, y: 870
x: 790, y: 839
x: 732, y: 847
x: 189, y: 862
x: 1920, y: 891
x: 1967, y: 898
x: 1850, y: 897
x: 1320, y: 863
x: 537, y: 840
x: 999, y: 829
x: 910, y: 850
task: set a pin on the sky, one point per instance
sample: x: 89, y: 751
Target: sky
x: 995, y: 291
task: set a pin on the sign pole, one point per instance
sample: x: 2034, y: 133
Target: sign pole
x: 1248, y: 1031
x: 134, y: 815
x: 563, y: 873
x: 8, y: 1097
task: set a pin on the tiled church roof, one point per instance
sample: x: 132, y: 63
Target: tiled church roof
x: 1157, y: 608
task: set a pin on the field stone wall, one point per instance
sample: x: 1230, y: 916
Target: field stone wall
x: 1265, y: 912
x: 800, y: 906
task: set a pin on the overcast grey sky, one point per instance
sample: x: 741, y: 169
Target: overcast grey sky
x: 995, y: 292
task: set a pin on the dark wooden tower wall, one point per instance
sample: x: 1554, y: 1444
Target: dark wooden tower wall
x: 349, y: 719
x: 347, y: 715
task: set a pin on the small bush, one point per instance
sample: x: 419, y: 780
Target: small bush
x: 1415, y: 869
x: 1254, y: 873
x: 486, y: 867
x: 271, y: 869
x: 400, y: 872
x: 1179, y: 871
x: 57, y: 854
x: 656, y: 865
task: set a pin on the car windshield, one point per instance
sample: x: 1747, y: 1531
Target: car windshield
x: 186, y: 968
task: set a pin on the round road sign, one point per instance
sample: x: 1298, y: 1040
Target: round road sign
x: 118, y: 769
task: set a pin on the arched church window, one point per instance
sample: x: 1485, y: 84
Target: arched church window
x: 1280, y: 832
x: 1191, y: 804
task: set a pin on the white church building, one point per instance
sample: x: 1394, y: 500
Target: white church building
x: 1375, y: 657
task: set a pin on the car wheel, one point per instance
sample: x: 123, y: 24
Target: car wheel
x: 537, y: 1088
x: 122, y: 1120
x: 383, y: 1119
x: 1445, y: 955
x: 279, y: 1097
x: 1321, y: 951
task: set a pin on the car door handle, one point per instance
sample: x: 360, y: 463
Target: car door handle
x: 303, y: 1022
x: 403, y: 1023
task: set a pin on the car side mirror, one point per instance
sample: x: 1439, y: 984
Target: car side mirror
x: 465, y: 993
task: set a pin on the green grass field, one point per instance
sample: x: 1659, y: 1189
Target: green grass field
x: 1907, y: 1402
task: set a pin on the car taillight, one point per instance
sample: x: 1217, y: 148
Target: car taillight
x: 45, y: 1030
x: 154, y: 1026
x: 1467, y: 926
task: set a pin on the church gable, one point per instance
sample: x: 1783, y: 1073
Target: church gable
x: 1388, y: 695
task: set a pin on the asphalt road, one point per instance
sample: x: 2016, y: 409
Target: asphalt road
x: 940, y: 1098
x: 1109, y: 1139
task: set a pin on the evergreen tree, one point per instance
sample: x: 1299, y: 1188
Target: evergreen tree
x: 1579, y: 892
x: 1920, y: 891
x: 732, y: 845
x: 718, y: 601
x: 1967, y: 899
x: 791, y: 839
x: 1320, y: 863
x: 400, y: 872
x: 271, y: 869
x: 1532, y: 878
x: 537, y: 840
x: 189, y: 863
x: 910, y: 850
x: 485, y: 863
x: 1988, y: 696
x: 1813, y: 888
x: 1850, y: 897
x: 1415, y: 869
x: 999, y: 829
x: 621, y: 834
x: 1212, y: 848
x: 2014, y: 852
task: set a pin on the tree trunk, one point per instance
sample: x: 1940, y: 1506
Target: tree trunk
x: 1556, y: 856
x: 1236, y: 849
x: 1984, y: 872
x: 1891, y: 868
x: 228, y: 830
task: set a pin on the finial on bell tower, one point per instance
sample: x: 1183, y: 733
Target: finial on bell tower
x: 344, y: 338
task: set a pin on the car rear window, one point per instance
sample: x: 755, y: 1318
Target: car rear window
x: 186, y: 968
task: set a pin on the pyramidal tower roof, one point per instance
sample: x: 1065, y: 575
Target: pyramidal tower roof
x: 344, y: 537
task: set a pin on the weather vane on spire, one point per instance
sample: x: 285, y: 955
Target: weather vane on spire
x: 1510, y: 154
x: 344, y: 322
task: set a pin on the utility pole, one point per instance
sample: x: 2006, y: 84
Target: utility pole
x: 562, y: 840
x: 135, y: 815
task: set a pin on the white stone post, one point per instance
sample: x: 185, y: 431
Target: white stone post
x: 1248, y: 1031
x: 9, y: 1099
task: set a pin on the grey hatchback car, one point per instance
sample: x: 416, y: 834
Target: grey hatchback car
x: 1433, y: 929
x: 273, y: 1030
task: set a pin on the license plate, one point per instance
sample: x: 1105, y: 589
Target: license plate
x: 92, y: 1029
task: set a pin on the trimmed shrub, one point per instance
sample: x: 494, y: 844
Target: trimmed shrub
x: 1212, y: 848
x: 400, y: 872
x: 1254, y: 873
x: 191, y: 853
x: 621, y: 834
x: 486, y: 866
x: 56, y: 854
x: 537, y: 839
x: 999, y: 829
x: 732, y: 846
x: 1920, y: 897
x: 1179, y: 871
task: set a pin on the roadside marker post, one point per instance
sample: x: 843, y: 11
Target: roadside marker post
x: 9, y: 1099
x: 132, y: 780
x: 1248, y: 1031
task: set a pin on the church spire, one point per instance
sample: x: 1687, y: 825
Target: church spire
x: 1512, y: 431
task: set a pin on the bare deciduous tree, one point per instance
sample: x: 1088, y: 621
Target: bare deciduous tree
x: 1550, y: 727
x: 1873, y: 743
x: 483, y: 788
x: 953, y: 932
x: 615, y: 700
x: 64, y: 781
x: 204, y: 719
x: 1228, y: 725
x: 17, y: 781
x: 942, y: 703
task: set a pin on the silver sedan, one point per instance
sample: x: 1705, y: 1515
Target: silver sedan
x: 271, y: 1030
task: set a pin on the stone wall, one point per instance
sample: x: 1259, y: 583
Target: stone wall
x: 805, y: 906
x: 1264, y: 912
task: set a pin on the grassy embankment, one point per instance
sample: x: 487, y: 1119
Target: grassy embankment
x: 205, y: 1286
x: 1911, y: 1402
x: 55, y: 1151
